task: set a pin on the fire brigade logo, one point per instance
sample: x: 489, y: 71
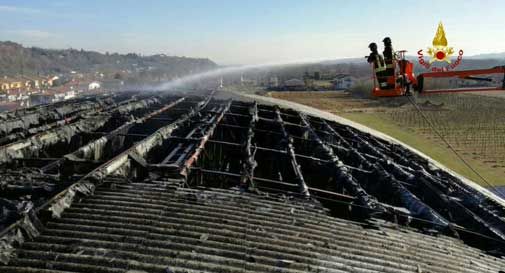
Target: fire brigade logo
x: 440, y: 53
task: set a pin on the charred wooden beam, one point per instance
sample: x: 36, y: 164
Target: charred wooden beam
x: 208, y: 132
x: 260, y: 182
x: 256, y: 148
x: 287, y: 144
x: 343, y: 174
x: 412, y: 203
x: 249, y: 164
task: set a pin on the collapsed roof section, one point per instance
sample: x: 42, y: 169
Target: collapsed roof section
x: 200, y: 141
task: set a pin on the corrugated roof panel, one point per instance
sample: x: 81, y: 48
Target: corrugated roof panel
x: 159, y: 230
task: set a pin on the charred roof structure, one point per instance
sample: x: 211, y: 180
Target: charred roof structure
x: 160, y: 182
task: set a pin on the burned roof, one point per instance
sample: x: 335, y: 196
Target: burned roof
x: 163, y: 182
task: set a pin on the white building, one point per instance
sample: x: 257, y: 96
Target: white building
x: 69, y: 95
x: 94, y: 85
x: 52, y: 80
x: 273, y: 81
x: 343, y: 81
x: 245, y: 81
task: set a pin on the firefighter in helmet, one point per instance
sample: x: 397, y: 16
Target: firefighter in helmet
x: 378, y: 63
x: 375, y: 57
x: 388, y: 56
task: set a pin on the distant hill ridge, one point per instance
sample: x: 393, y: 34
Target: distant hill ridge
x: 485, y: 56
x: 16, y: 59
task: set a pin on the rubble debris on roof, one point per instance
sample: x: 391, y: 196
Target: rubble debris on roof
x: 163, y: 182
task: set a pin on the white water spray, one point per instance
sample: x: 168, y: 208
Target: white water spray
x: 227, y: 70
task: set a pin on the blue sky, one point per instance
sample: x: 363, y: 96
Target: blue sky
x: 252, y: 32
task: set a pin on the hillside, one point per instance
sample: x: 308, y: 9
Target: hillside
x: 499, y: 55
x: 16, y: 59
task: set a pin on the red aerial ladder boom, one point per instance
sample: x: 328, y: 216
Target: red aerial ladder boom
x: 401, y: 80
x: 464, y: 74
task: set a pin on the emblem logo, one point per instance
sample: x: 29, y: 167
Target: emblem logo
x: 440, y: 53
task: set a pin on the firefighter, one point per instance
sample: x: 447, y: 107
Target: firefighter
x: 388, y: 56
x: 375, y: 57
x: 388, y: 49
x: 378, y: 63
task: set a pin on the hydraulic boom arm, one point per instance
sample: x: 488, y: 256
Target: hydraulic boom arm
x: 463, y: 74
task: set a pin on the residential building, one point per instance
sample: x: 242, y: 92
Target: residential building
x: 13, y: 83
x: 273, y: 81
x: 94, y: 85
x: 249, y: 82
x: 4, y: 85
x: 343, y: 81
x: 294, y: 85
x: 25, y: 83
x: 52, y: 80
